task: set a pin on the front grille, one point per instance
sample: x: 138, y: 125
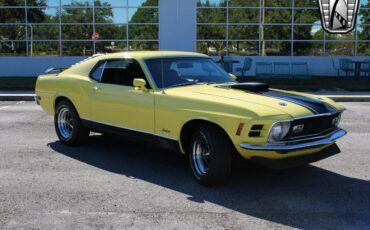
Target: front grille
x: 312, y: 126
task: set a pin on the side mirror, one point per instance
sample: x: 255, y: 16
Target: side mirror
x: 233, y: 76
x: 139, y: 83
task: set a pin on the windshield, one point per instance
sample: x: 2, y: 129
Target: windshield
x: 174, y: 72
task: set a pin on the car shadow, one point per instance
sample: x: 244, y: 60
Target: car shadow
x: 308, y: 197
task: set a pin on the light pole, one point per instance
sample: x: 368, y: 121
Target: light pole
x: 31, y: 40
x: 263, y: 51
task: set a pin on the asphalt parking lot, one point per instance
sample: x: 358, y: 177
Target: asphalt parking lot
x: 113, y: 184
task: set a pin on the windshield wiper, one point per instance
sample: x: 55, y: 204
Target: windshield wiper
x: 216, y: 82
x: 186, y: 84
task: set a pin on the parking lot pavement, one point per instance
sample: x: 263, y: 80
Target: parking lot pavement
x: 109, y: 183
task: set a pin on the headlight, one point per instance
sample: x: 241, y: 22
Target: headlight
x: 278, y: 131
x: 336, y: 121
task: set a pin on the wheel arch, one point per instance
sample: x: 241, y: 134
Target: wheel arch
x: 189, y: 127
x: 60, y: 98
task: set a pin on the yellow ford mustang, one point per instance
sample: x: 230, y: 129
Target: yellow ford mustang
x: 186, y: 102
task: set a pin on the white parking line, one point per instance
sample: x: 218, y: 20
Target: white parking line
x: 4, y: 107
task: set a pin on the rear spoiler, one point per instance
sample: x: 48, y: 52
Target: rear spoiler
x: 54, y: 70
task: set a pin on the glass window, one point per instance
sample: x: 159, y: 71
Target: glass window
x: 38, y: 48
x: 363, y: 48
x: 211, y: 15
x: 308, y: 32
x: 348, y: 36
x: 308, y: 48
x: 43, y: 32
x: 340, y: 48
x: 110, y: 15
x: 278, y: 3
x: 12, y: 32
x: 305, y: 3
x: 78, y: 48
x: 111, y: 31
x: 12, y: 3
x: 77, y: 3
x: 13, y: 48
x: 143, y: 45
x: 211, y: 32
x: 364, y: 16
x: 244, y: 3
x: 307, y: 16
x: 243, y: 15
x: 98, y: 72
x: 143, y: 32
x: 110, y: 46
x: 119, y: 72
x: 110, y: 3
x: 12, y: 15
x: 364, y: 32
x: 174, y: 72
x: 212, y: 48
x: 242, y: 48
x: 77, y: 15
x: 42, y: 15
x: 277, y: 32
x: 365, y: 3
x: 277, y: 16
x: 212, y: 3
x: 77, y: 32
x: 42, y: 3
x: 143, y: 15
x: 139, y: 3
x: 243, y: 32
x: 274, y: 48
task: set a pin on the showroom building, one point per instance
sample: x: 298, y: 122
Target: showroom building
x: 56, y: 33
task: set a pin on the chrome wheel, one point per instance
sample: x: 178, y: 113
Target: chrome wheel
x: 65, y: 123
x: 201, y: 155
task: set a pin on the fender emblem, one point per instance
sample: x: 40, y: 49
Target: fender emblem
x: 165, y: 130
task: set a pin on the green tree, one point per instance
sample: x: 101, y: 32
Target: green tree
x: 11, y: 33
x: 364, y: 33
x: 144, y: 32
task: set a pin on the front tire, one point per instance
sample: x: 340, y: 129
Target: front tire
x: 68, y: 125
x: 210, y: 155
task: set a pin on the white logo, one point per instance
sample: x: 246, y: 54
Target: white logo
x: 338, y: 16
x: 298, y: 128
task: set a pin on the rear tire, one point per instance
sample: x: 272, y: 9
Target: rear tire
x: 210, y: 155
x: 68, y: 125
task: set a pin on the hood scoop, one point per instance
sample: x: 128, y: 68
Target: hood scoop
x: 251, y: 86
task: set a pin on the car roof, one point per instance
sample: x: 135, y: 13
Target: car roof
x: 150, y: 54
x: 84, y: 67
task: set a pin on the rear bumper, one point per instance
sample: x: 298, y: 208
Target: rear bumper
x: 292, y: 162
x: 296, y: 146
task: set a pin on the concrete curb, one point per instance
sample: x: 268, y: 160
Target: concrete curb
x: 17, y: 97
x: 337, y: 98
x: 341, y: 98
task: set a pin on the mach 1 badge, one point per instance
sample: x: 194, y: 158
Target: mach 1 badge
x: 338, y: 16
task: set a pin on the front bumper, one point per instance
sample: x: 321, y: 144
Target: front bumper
x: 297, y: 161
x: 298, y: 145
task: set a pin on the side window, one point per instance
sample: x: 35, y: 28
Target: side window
x: 119, y: 72
x: 98, y: 72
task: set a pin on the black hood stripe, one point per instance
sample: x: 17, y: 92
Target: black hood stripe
x: 314, y: 105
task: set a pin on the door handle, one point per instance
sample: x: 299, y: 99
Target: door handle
x: 96, y: 88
